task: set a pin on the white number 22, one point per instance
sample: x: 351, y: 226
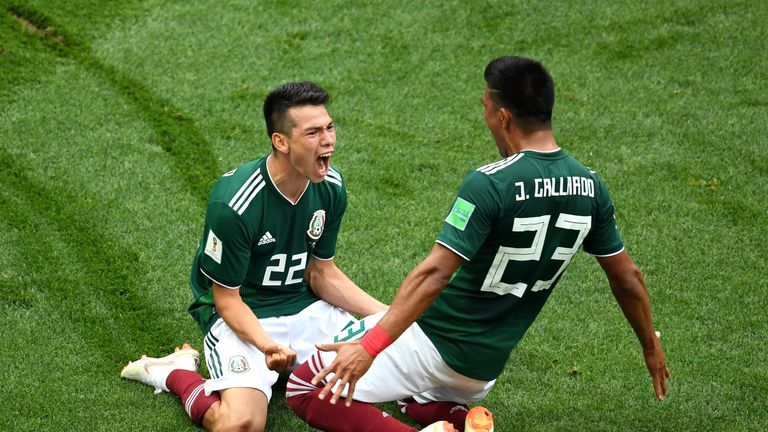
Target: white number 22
x: 538, y: 225
x: 280, y: 268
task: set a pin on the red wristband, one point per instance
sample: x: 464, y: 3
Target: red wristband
x: 375, y: 341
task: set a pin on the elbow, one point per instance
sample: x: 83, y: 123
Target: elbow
x: 438, y: 274
x: 310, y: 276
x: 627, y: 282
x: 224, y: 302
x: 315, y: 278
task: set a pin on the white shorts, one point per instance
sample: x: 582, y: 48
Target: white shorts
x: 410, y: 367
x: 232, y: 362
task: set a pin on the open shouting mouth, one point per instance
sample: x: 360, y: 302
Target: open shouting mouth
x: 323, y: 163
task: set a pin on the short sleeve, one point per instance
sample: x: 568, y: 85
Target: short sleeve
x: 603, y: 239
x: 471, y: 216
x: 227, y: 246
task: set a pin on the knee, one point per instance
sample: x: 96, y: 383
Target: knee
x: 242, y: 422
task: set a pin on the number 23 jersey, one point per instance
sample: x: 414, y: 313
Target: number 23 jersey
x: 517, y: 223
x: 256, y: 240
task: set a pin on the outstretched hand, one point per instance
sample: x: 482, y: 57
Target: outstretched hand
x: 657, y: 367
x: 279, y: 358
x: 351, y: 363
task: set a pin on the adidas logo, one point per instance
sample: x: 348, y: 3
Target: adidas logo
x: 266, y: 238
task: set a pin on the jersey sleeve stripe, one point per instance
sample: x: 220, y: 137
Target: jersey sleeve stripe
x: 333, y: 180
x: 492, y: 165
x: 321, y: 259
x: 452, y: 250
x: 245, y: 186
x: 335, y: 174
x: 257, y: 182
x: 250, y: 198
x: 606, y: 255
x: 214, y: 280
x: 492, y: 168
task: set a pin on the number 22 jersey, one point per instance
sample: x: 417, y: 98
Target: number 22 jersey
x: 257, y: 240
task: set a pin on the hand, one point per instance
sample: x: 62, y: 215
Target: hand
x: 279, y: 358
x: 657, y: 367
x: 351, y: 363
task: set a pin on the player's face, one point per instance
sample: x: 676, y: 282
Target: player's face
x: 493, y: 121
x: 311, y: 141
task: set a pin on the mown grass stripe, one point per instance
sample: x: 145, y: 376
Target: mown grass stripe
x: 109, y: 271
x: 190, y: 155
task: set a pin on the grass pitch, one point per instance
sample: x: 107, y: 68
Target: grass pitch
x: 117, y: 117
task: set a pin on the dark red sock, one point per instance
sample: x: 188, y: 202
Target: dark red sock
x: 188, y: 385
x: 360, y: 417
x: 431, y: 412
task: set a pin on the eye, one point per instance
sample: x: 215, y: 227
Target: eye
x: 330, y: 127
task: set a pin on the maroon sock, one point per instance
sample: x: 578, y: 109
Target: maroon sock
x: 321, y: 414
x: 188, y: 385
x: 431, y: 412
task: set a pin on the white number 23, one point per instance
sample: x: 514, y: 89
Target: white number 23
x: 538, y: 225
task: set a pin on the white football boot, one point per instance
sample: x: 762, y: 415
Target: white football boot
x: 479, y: 419
x: 441, y: 426
x: 154, y: 371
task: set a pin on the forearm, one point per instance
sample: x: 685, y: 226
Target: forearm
x: 416, y: 294
x: 240, y: 318
x: 632, y: 297
x: 353, y: 299
x: 628, y: 287
x: 333, y: 286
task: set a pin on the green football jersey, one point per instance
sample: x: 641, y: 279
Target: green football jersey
x: 256, y: 240
x: 517, y: 223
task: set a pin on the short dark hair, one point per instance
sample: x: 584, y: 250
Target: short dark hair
x: 524, y: 87
x: 287, y: 96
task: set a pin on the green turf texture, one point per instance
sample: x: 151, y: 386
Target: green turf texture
x: 117, y: 117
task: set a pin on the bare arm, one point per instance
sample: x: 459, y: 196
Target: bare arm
x: 628, y: 287
x: 417, y: 292
x: 333, y: 286
x: 419, y: 289
x: 240, y: 318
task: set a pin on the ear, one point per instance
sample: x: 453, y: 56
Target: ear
x: 505, y: 118
x: 280, y: 143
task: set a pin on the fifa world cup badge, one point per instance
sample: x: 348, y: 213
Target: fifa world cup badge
x: 316, y: 225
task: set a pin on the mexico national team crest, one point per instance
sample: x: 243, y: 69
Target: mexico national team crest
x: 238, y: 365
x: 316, y: 225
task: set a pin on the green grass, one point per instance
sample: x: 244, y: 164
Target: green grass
x: 117, y: 117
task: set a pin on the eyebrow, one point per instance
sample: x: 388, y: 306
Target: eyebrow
x: 314, y: 128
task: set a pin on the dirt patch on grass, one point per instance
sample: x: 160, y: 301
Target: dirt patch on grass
x: 46, y: 32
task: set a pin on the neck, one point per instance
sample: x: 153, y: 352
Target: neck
x: 286, y: 179
x: 540, y: 140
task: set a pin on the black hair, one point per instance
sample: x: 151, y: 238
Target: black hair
x: 524, y: 87
x: 289, y: 95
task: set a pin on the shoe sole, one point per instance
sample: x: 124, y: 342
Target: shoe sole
x: 135, y: 369
x: 479, y: 419
x: 441, y: 426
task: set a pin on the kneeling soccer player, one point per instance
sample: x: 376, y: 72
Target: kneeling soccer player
x: 513, y: 229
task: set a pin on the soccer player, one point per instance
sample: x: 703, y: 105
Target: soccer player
x: 264, y: 281
x: 513, y: 228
